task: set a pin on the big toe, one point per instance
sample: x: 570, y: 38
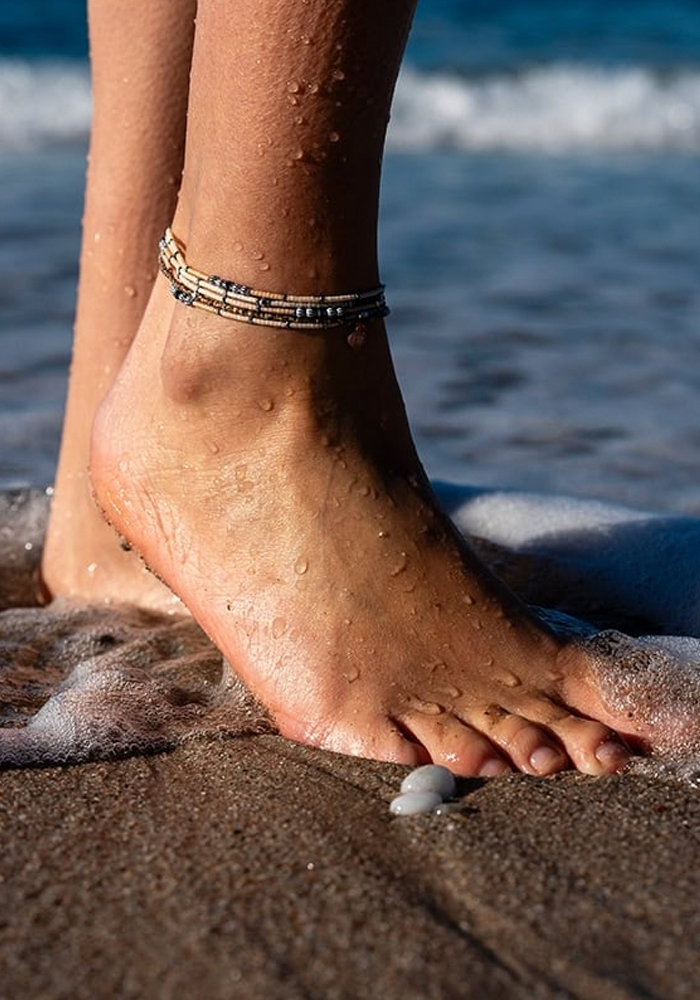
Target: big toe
x: 380, y: 739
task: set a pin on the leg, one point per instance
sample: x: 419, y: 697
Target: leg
x: 269, y: 476
x: 140, y: 82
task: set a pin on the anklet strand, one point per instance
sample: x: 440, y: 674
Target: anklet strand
x: 249, y: 305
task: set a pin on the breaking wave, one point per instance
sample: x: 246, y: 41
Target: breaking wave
x: 556, y: 108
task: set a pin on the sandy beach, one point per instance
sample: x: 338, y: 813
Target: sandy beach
x: 237, y: 864
x: 255, y: 868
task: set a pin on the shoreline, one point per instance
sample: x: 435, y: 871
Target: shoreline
x: 259, y: 868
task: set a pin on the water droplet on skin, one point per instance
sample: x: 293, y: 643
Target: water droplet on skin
x: 333, y: 137
x: 351, y: 675
x: 301, y: 566
x: 267, y: 405
x: 279, y: 627
x: 257, y: 255
x: 338, y: 74
x: 293, y: 100
x: 314, y: 88
x: 468, y: 599
x: 265, y: 266
x: 426, y: 707
x: 238, y: 246
x: 297, y: 155
x: 449, y: 691
x: 130, y: 291
x: 212, y: 446
x: 300, y: 120
x: 383, y: 534
x: 28, y: 546
x: 476, y: 624
x: 293, y: 87
x: 400, y: 566
x: 509, y: 679
x: 92, y: 568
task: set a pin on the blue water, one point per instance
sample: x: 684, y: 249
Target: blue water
x: 539, y: 240
x: 464, y: 35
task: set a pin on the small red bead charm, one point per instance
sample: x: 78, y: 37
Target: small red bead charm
x: 358, y: 336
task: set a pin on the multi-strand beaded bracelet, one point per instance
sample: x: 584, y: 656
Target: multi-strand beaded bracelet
x: 249, y: 305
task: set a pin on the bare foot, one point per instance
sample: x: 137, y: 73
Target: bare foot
x: 269, y: 478
x: 84, y: 560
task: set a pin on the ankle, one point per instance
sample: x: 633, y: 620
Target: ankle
x: 206, y: 359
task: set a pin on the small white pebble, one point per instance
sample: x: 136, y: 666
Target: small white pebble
x: 411, y: 803
x: 430, y: 778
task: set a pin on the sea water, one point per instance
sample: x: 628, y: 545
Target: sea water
x: 541, y: 250
x: 539, y: 241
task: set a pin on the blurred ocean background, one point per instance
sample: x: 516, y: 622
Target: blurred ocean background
x: 540, y: 241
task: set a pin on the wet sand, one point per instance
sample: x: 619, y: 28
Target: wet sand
x: 240, y: 865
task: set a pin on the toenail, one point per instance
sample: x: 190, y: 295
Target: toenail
x: 612, y: 755
x: 493, y: 767
x: 545, y: 760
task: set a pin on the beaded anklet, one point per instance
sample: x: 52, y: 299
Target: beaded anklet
x: 249, y: 305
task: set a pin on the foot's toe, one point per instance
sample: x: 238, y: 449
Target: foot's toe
x: 528, y: 745
x: 382, y: 739
x: 592, y: 747
x: 456, y: 745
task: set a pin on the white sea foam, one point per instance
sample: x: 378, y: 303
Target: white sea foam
x: 642, y: 564
x: 547, y: 109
